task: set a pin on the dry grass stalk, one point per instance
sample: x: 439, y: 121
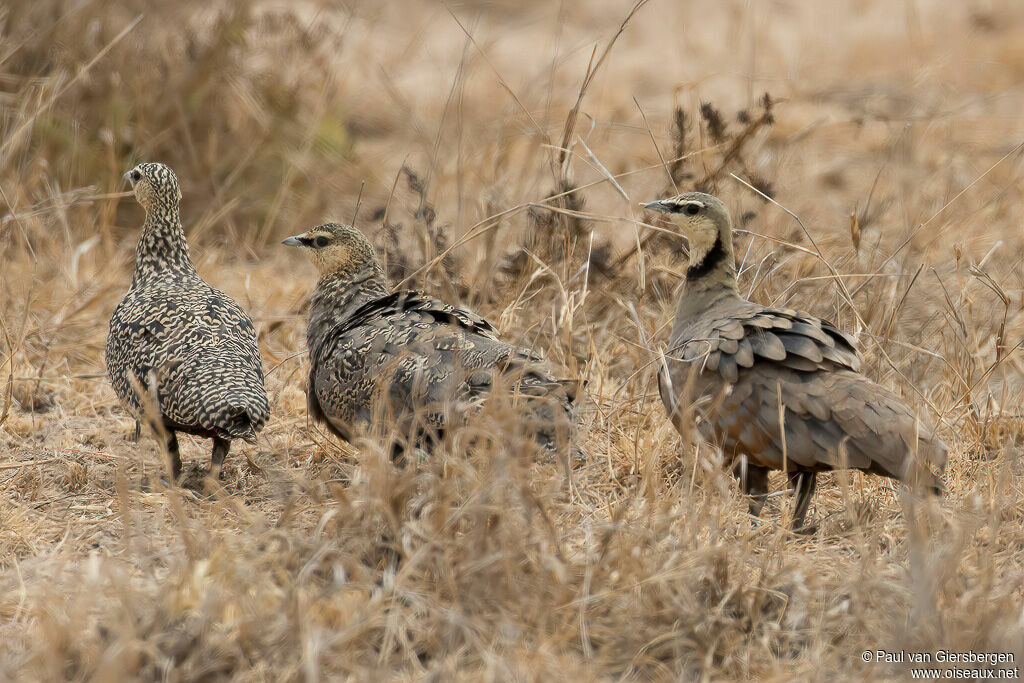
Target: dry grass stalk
x: 318, y: 559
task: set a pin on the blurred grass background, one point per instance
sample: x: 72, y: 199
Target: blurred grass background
x: 476, y: 143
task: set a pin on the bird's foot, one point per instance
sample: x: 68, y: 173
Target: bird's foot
x: 190, y: 478
x: 806, y: 528
x: 756, y: 504
x: 175, y: 479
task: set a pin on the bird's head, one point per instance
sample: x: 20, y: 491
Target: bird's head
x: 335, y: 248
x: 154, y: 185
x: 702, y: 220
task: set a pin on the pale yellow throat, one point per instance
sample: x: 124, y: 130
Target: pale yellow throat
x: 700, y: 243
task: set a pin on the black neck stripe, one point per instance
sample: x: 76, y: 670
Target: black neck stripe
x: 711, y: 259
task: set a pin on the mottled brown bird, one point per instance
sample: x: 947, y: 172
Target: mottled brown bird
x: 747, y: 369
x: 177, y: 335
x: 407, y: 359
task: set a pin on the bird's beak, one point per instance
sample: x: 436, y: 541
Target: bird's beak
x: 291, y: 242
x: 128, y: 176
x: 658, y: 206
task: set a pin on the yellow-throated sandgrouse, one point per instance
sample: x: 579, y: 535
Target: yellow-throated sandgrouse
x: 178, y: 337
x: 733, y: 361
x: 408, y: 358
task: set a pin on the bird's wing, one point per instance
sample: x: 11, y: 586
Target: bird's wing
x: 412, y: 341
x: 423, y: 307
x: 198, y: 348
x: 765, y: 368
x: 830, y: 418
x: 746, y: 335
x: 430, y: 358
x: 225, y: 321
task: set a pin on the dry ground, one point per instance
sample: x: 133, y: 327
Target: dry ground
x: 893, y: 131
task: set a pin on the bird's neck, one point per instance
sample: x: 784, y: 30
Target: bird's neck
x: 162, y: 247
x: 338, y: 294
x: 712, y: 263
x: 710, y: 276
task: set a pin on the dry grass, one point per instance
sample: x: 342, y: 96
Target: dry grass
x: 894, y: 136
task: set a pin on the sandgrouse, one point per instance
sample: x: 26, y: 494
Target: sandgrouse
x: 177, y: 343
x: 733, y: 361
x: 408, y: 361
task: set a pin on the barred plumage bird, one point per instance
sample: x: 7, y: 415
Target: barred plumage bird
x: 178, y: 337
x: 407, y: 359
x: 746, y: 369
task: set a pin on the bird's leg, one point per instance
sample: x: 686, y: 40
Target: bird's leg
x: 175, y: 456
x: 804, y: 482
x: 138, y: 432
x: 220, y: 450
x: 754, y: 483
x: 397, y: 453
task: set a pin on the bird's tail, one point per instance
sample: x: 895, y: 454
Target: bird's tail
x: 551, y: 416
x: 238, y: 423
x: 920, y: 474
x: 548, y: 413
x: 242, y: 414
x: 931, y: 457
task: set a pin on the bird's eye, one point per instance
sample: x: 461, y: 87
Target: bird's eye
x: 321, y: 242
x: 136, y: 176
x: 691, y: 210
